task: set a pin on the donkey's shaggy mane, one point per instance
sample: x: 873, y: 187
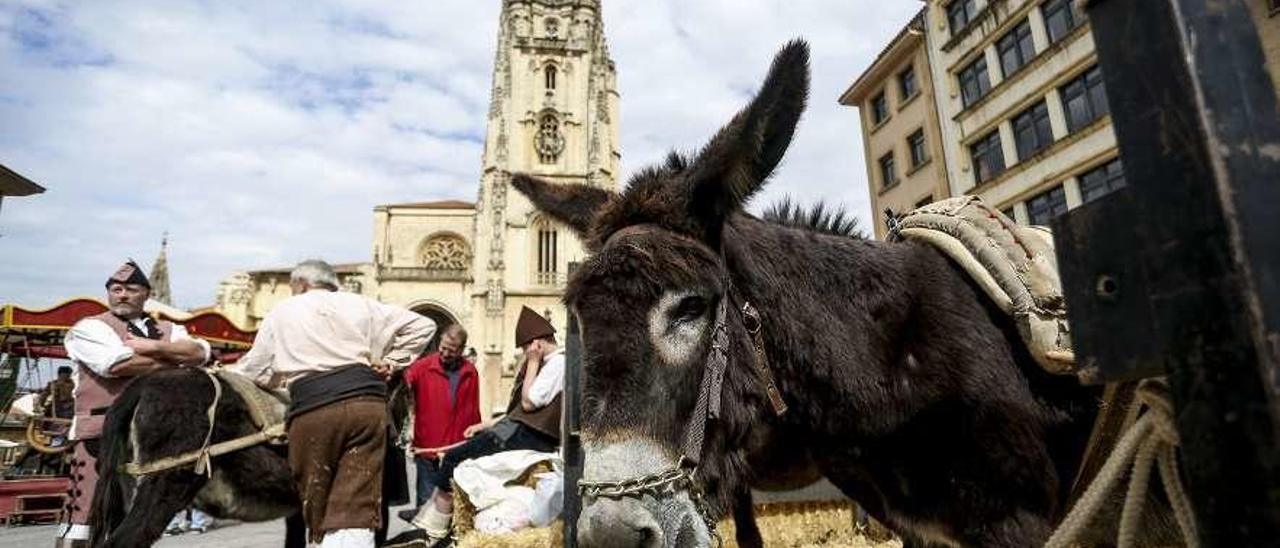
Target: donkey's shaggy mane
x: 821, y: 217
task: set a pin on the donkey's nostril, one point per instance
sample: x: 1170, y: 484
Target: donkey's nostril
x: 618, y: 524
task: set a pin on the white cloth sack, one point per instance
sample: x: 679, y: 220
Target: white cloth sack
x: 548, y: 499
x: 509, y: 515
x: 501, y: 508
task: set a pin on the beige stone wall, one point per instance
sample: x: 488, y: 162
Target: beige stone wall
x: 1051, y: 67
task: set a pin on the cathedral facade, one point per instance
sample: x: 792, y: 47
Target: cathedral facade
x: 553, y: 113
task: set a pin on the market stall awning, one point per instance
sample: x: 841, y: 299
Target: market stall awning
x: 39, y: 333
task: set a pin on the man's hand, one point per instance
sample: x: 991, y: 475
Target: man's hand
x: 141, y: 346
x: 475, y: 429
x: 382, y: 369
x: 534, y: 354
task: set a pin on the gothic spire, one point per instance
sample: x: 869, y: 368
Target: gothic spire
x: 160, y: 274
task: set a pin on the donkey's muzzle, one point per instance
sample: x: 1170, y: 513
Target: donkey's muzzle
x: 618, y: 523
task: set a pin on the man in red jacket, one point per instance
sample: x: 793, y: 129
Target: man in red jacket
x: 446, y: 392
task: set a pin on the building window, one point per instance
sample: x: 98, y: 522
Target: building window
x: 1008, y: 212
x: 907, y: 83
x: 974, y: 82
x: 446, y: 252
x: 1044, y: 207
x: 1059, y: 18
x: 1016, y: 48
x: 1273, y: 6
x: 960, y: 13
x: 1084, y: 99
x: 547, y: 257
x: 888, y: 176
x: 1102, y: 180
x: 915, y: 142
x: 988, y: 159
x: 550, y: 76
x: 879, y: 109
x: 1031, y: 130
x: 549, y: 142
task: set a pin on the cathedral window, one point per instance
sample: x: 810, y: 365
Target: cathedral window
x: 553, y: 28
x: 549, y: 142
x: 550, y: 75
x: 447, y: 252
x: 547, y: 256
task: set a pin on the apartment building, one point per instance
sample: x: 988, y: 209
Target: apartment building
x: 901, y: 138
x: 1022, y: 104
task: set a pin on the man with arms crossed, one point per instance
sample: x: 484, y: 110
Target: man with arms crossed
x: 109, y: 350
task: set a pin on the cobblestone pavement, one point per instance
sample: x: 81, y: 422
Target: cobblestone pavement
x: 224, y: 534
x: 271, y: 534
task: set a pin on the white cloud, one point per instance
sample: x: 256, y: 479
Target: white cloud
x: 260, y: 133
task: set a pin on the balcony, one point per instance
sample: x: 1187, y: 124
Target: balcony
x: 420, y: 274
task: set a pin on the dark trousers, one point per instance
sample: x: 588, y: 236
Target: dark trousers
x: 487, y: 443
x: 427, y: 471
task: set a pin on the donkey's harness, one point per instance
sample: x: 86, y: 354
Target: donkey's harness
x: 681, y: 477
x: 265, y: 411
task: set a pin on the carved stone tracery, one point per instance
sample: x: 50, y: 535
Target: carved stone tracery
x: 445, y: 252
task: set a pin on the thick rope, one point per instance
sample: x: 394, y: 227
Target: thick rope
x: 271, y: 434
x: 1152, y: 439
x: 202, y: 457
x: 203, y: 466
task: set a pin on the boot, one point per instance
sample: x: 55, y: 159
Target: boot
x: 434, y: 522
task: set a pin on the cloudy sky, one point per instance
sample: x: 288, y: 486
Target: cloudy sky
x: 262, y: 133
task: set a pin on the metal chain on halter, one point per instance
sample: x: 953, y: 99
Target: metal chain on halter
x: 669, y: 481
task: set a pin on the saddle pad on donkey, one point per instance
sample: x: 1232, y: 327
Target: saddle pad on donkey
x: 1014, y: 265
x: 265, y: 407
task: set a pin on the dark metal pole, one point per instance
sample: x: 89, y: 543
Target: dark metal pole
x: 571, y: 446
x: 1179, y: 274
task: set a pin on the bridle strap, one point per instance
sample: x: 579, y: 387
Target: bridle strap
x: 751, y: 320
x: 711, y: 389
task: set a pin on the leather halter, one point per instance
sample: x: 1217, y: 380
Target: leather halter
x: 681, y: 477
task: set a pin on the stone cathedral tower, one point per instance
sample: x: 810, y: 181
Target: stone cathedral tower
x: 554, y: 114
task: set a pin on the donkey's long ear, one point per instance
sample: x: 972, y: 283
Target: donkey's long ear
x: 572, y: 204
x: 740, y: 158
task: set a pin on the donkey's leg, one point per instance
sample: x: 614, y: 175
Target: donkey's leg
x: 1020, y: 529
x: 157, y: 499
x: 744, y: 521
x: 295, y: 531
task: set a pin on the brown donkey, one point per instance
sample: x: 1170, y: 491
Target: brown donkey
x: 903, y: 384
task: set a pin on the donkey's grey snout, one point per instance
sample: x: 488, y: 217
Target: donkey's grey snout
x: 622, y: 523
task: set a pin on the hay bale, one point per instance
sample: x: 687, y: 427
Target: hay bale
x: 807, y: 525
x: 785, y: 524
x: 551, y: 536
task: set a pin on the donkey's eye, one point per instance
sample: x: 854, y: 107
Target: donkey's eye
x: 690, y: 308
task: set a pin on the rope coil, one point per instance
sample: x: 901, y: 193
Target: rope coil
x: 1152, y: 439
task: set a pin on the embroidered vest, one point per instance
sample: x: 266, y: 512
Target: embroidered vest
x: 545, y: 419
x: 94, y: 393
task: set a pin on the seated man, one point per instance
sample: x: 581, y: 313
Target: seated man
x: 532, y: 422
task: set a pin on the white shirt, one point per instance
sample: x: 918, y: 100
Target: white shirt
x: 550, y: 379
x: 94, y: 344
x: 321, y: 330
